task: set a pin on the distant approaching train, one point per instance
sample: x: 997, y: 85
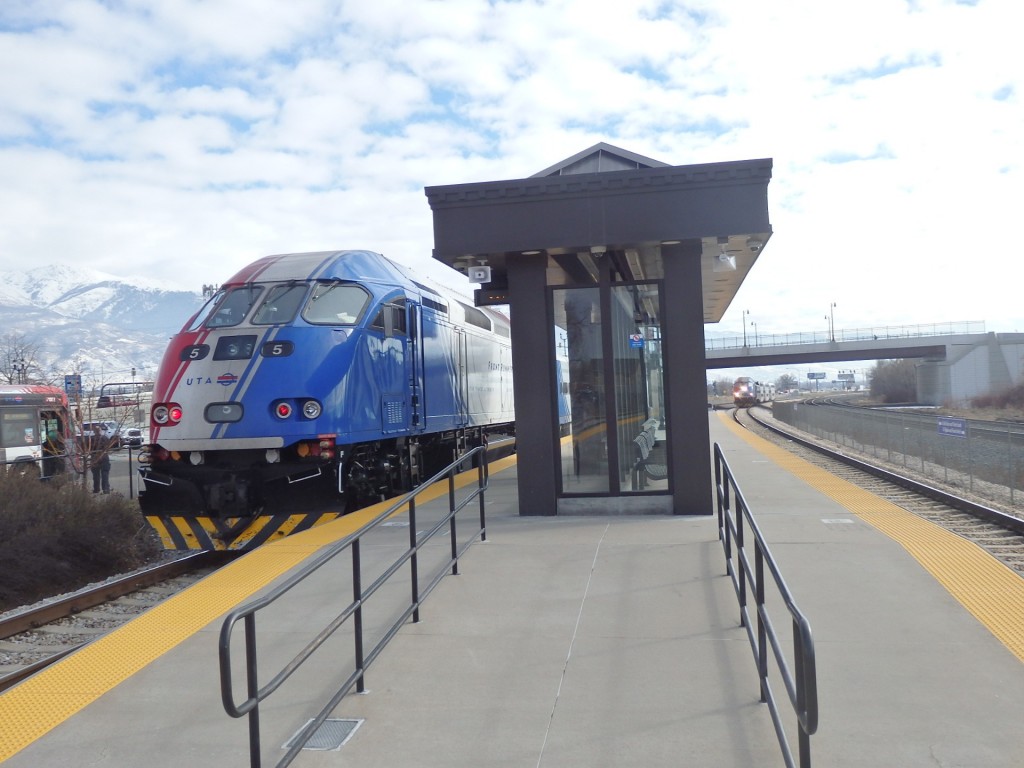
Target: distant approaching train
x: 747, y: 392
x: 312, y: 384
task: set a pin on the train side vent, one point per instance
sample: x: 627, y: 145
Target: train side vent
x: 393, y: 411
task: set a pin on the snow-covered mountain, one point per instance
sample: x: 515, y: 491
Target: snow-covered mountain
x: 88, y: 322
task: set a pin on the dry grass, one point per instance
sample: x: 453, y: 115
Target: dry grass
x: 56, y: 537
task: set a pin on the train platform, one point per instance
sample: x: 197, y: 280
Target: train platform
x: 589, y: 641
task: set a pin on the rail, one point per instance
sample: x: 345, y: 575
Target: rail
x: 45, y: 466
x: 801, y: 681
x: 873, y: 333
x: 363, y: 658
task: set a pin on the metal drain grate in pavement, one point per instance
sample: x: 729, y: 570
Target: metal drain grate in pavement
x: 331, y: 735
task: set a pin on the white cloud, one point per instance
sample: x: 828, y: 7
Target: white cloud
x: 177, y: 138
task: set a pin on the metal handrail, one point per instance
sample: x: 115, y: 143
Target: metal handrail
x: 363, y: 658
x: 38, y: 462
x: 801, y: 685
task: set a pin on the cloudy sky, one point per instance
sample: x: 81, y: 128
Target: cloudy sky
x: 178, y: 140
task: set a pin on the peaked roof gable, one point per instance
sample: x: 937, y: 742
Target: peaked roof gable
x: 598, y: 158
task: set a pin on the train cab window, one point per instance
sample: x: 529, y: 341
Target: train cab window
x: 280, y: 306
x: 235, y: 306
x: 391, y: 318
x: 336, y: 304
x: 206, y: 311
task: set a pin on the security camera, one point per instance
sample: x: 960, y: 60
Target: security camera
x: 479, y: 274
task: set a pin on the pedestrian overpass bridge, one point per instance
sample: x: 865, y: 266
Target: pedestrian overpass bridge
x: 958, y: 360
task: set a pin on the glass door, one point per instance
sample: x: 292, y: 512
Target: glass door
x: 611, y: 345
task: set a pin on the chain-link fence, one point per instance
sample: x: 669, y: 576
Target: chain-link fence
x: 983, y: 458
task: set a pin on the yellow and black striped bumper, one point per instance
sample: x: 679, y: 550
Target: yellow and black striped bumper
x: 232, y: 534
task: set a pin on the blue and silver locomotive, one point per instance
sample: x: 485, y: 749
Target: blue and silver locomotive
x: 312, y: 384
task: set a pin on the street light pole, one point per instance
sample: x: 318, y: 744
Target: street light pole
x: 832, y: 321
x: 745, y: 313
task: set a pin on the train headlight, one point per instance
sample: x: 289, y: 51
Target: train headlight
x: 166, y: 414
x: 311, y: 409
x: 273, y: 456
x: 195, y: 458
x: 282, y: 410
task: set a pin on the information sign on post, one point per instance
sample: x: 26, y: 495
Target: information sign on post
x: 73, y: 385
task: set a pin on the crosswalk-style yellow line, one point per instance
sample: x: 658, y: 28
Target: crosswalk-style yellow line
x: 992, y: 592
x: 31, y: 709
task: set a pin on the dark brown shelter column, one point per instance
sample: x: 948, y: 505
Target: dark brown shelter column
x: 686, y: 386
x: 533, y: 371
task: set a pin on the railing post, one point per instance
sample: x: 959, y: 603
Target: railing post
x: 357, y: 617
x: 804, y: 738
x: 414, y: 569
x: 740, y: 513
x: 483, y: 472
x: 252, y: 689
x: 1012, y: 462
x: 762, y: 638
x: 451, y: 523
x: 720, y: 493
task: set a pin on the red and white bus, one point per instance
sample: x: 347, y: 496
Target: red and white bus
x: 35, y: 428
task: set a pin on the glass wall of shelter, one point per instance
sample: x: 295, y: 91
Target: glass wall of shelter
x: 613, y: 432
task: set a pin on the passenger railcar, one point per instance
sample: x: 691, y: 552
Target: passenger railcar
x: 312, y: 384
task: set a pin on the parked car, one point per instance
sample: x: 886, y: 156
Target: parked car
x: 133, y: 438
x: 108, y: 429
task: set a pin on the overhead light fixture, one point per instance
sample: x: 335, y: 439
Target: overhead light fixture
x: 531, y: 253
x: 671, y: 242
x: 754, y: 244
x: 724, y: 262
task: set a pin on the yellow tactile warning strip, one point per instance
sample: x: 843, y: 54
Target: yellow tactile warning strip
x: 992, y: 592
x: 42, y: 702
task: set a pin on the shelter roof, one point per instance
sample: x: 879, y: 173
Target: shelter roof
x: 608, y: 200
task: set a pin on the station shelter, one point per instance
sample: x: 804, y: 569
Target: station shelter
x: 610, y: 264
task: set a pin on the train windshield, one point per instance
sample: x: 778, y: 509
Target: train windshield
x: 204, y: 313
x: 281, y: 304
x: 234, y: 306
x: 336, y: 304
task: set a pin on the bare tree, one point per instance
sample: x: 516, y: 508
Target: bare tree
x: 894, y: 381
x: 19, y: 359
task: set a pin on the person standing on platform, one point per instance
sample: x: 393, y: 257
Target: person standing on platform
x: 100, y: 457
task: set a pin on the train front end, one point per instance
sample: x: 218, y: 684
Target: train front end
x: 256, y: 403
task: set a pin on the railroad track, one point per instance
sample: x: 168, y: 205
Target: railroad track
x: 999, y: 532
x: 34, y: 638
